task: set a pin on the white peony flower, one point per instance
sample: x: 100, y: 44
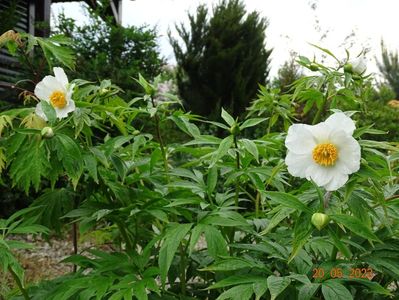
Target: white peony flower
x: 359, y: 65
x: 57, y: 91
x: 325, y: 153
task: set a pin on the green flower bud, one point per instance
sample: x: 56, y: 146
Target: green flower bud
x: 313, y: 66
x: 47, y: 132
x: 319, y: 220
x: 136, y: 132
x: 235, y: 130
x: 348, y: 68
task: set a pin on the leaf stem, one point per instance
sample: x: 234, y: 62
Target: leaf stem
x: 238, y: 168
x: 19, y: 283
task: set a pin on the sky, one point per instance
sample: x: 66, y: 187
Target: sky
x: 293, y: 24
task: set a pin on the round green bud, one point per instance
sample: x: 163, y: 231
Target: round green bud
x: 136, y: 132
x: 348, y: 68
x: 47, y: 132
x: 314, y: 67
x: 235, y: 130
x: 319, y: 220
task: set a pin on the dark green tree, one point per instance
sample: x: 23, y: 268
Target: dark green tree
x: 105, y: 50
x: 389, y: 67
x: 223, y: 58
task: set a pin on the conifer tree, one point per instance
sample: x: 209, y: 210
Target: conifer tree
x: 389, y: 67
x: 223, y: 58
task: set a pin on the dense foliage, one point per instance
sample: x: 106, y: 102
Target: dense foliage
x: 108, y: 51
x: 209, y: 218
x: 222, y: 60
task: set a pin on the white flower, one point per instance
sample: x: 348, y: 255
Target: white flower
x: 57, y: 91
x: 325, y: 153
x: 359, y: 65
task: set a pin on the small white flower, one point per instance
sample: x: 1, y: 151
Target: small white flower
x: 325, y: 153
x: 359, y: 65
x: 57, y: 91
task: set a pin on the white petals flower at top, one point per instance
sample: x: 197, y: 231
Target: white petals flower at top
x: 325, y: 153
x: 359, y: 65
x: 56, y: 91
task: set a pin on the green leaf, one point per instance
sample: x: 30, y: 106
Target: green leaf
x: 240, y: 292
x: 339, y: 244
x: 232, y: 264
x: 252, y: 122
x: 90, y: 163
x: 53, y: 47
x: 216, y: 244
x: 355, y: 225
x: 302, y: 231
x: 250, y: 146
x: 236, y: 280
x: 224, y: 146
x: 211, y: 179
x: 227, y: 117
x: 307, y: 291
x: 277, y: 285
x: 69, y: 154
x: 30, y: 164
x: 333, y: 290
x: 171, y: 241
x: 49, y: 111
x: 288, y: 201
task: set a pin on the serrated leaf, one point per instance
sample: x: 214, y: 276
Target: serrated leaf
x: 307, y: 291
x: 49, y: 111
x: 69, y: 154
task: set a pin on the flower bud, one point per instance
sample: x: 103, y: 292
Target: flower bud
x: 348, y: 68
x: 47, y: 132
x: 319, y: 220
x: 313, y: 66
x: 235, y: 130
x: 356, y: 66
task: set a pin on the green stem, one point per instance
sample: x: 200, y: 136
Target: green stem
x: 238, y: 168
x: 125, y: 236
x: 160, y: 140
x: 317, y: 117
x: 19, y: 283
x: 257, y: 204
x: 182, y: 270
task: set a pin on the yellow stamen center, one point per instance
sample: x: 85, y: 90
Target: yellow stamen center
x: 325, y: 154
x: 57, y: 99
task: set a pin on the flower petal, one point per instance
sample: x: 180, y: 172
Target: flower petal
x: 42, y: 91
x: 53, y: 84
x: 320, y: 132
x: 60, y: 76
x: 39, y: 111
x: 340, y: 121
x: 299, y: 139
x: 297, y: 164
x: 337, y: 181
x: 63, y: 112
x: 319, y: 174
x: 348, y: 151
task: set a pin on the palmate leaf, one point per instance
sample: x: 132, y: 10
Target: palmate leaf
x: 53, y: 49
x: 29, y: 164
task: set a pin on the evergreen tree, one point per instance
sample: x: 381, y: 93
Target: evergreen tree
x: 223, y: 59
x: 389, y: 67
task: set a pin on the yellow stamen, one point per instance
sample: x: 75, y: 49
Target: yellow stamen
x: 57, y: 99
x: 325, y: 154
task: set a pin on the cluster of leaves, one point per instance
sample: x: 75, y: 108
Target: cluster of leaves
x: 211, y: 218
x: 108, y: 51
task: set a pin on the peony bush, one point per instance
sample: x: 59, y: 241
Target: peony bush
x: 311, y: 213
